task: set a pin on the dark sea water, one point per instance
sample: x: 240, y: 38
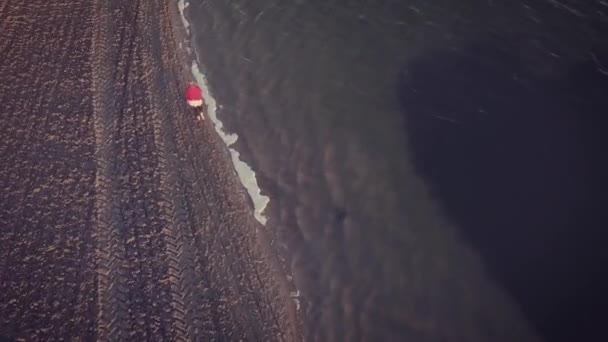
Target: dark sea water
x: 435, y: 168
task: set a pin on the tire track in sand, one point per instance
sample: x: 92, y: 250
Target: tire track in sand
x: 183, y: 276
x: 198, y: 312
x: 113, y: 315
x: 136, y: 180
x: 153, y: 216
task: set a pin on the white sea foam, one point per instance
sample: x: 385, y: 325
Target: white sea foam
x: 181, y: 5
x: 244, y: 171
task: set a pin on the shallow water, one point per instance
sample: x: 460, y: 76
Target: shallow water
x: 433, y: 168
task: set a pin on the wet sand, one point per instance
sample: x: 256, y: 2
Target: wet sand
x: 121, y: 218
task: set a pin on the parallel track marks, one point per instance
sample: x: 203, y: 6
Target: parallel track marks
x: 184, y: 275
x: 111, y: 266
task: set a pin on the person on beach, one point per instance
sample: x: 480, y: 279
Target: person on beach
x: 194, y: 97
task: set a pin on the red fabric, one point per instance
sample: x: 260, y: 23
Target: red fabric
x: 193, y: 92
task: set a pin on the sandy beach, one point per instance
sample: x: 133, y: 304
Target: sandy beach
x: 121, y: 217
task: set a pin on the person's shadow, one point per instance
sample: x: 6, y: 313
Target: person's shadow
x: 516, y: 161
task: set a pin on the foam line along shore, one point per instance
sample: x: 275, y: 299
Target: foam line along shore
x: 287, y: 288
x: 245, y: 172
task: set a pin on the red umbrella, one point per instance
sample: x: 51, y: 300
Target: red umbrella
x: 194, y: 95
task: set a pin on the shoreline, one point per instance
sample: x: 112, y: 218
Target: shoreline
x: 190, y: 60
x: 244, y: 171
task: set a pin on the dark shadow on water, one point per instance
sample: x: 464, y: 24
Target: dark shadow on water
x: 515, y: 158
